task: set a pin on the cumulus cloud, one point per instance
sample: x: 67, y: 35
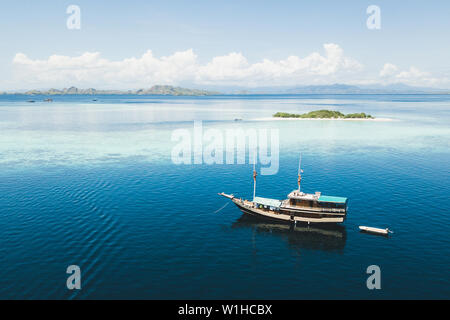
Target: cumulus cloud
x: 92, y: 69
x: 413, y: 73
x: 235, y: 68
x: 412, y: 76
x: 388, y: 69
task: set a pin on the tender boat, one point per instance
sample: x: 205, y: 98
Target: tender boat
x: 298, y: 207
x: 375, y: 230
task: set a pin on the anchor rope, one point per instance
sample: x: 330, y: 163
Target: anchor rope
x: 221, y: 208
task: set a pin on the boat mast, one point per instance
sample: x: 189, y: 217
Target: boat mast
x: 300, y: 171
x: 254, y: 175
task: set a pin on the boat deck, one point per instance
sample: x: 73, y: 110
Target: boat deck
x: 286, y: 205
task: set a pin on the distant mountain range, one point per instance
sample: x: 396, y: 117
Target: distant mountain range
x: 155, y: 90
x: 311, y: 89
x: 343, y: 89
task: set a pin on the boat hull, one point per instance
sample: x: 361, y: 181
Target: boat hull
x: 287, y: 216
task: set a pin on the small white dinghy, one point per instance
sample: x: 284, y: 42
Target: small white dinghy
x: 375, y: 230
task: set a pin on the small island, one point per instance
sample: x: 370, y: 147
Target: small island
x: 324, y: 114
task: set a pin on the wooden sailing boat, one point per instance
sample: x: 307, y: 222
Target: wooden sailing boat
x: 298, y: 207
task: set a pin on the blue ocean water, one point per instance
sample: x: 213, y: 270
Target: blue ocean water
x: 92, y: 183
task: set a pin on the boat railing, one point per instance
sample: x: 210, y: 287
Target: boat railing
x: 318, y: 209
x: 332, y: 210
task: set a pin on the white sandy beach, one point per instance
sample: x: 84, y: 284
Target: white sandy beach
x: 318, y: 119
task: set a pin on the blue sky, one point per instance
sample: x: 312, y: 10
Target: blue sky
x: 413, y: 41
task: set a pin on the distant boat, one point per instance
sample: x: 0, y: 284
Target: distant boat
x: 298, y: 207
x: 30, y: 101
x: 48, y: 100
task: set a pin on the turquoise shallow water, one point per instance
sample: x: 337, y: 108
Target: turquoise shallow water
x: 92, y: 183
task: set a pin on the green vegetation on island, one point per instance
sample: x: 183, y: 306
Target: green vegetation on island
x: 324, y: 114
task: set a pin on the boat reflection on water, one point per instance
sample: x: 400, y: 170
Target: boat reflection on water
x: 330, y: 238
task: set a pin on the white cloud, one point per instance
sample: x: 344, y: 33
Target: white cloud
x: 413, y: 76
x: 234, y: 69
x: 413, y: 73
x: 388, y: 70
x: 90, y: 69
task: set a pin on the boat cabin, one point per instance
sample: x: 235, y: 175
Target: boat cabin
x: 316, y: 200
x: 267, y: 204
